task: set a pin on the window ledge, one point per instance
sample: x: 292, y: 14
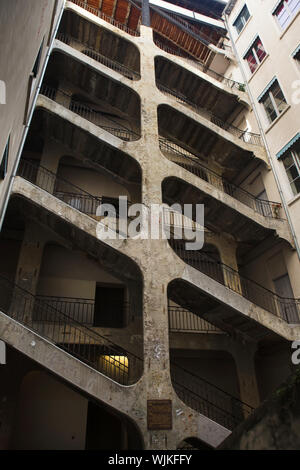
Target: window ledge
x: 277, y: 119
x: 289, y: 25
x: 293, y: 200
x: 241, y: 32
x: 256, y: 70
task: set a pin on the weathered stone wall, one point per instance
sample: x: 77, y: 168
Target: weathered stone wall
x: 275, y: 425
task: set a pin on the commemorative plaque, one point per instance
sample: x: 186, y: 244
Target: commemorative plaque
x: 159, y: 414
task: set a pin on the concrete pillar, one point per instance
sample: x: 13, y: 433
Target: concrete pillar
x: 27, y: 274
x: 155, y: 312
x: 244, y: 359
x: 51, y: 155
x: 230, y: 270
x: 145, y: 13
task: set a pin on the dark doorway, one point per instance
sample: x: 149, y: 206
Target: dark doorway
x: 109, y: 307
x: 103, y: 429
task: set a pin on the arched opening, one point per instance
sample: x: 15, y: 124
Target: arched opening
x: 52, y: 416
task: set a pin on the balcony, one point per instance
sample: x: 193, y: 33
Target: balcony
x: 189, y: 60
x: 126, y: 19
x: 69, y: 334
x: 284, y: 308
x: 100, y: 44
x: 105, y: 102
x: 245, y: 136
x: 89, y: 113
x: 192, y: 163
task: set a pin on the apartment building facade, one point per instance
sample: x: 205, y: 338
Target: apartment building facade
x: 139, y: 343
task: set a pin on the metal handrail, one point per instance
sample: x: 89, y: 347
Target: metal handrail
x: 192, y: 164
x: 195, y: 32
x: 288, y: 309
x: 87, y: 113
x: 105, y: 17
x: 221, y: 78
x: 69, y: 334
x: 182, y: 319
x: 247, y: 137
x: 64, y: 190
x: 90, y: 52
x: 208, y: 399
x: 79, y: 309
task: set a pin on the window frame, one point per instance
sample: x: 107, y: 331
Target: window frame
x: 4, y: 160
x: 238, y: 18
x: 295, y: 155
x: 287, y: 9
x: 269, y: 94
x: 254, y: 53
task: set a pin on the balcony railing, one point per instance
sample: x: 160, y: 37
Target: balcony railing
x: 105, y: 17
x: 191, y: 163
x: 221, y: 78
x: 96, y: 117
x: 93, y: 54
x: 245, y: 136
x: 64, y: 190
x: 208, y: 399
x: 288, y: 309
x: 69, y: 334
x: 181, y: 319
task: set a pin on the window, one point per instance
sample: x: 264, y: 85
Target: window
x: 296, y: 56
x: 273, y: 101
x: 242, y: 19
x: 291, y: 163
x: 4, y: 162
x: 285, y: 12
x: 255, y: 55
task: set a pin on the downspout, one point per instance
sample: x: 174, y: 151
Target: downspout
x: 26, y: 128
x: 286, y: 210
x: 145, y: 13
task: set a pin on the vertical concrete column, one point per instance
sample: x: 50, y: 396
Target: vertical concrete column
x: 51, y: 155
x: 230, y: 271
x: 155, y: 264
x: 244, y: 359
x: 28, y: 270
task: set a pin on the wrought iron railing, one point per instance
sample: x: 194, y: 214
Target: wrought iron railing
x: 65, y: 191
x: 83, y: 310
x: 208, y: 399
x: 190, y: 28
x: 96, y: 117
x: 245, y: 136
x: 105, y: 17
x: 221, y: 78
x: 191, y: 163
x: 288, y: 309
x: 69, y: 334
x: 93, y: 54
x: 183, y: 320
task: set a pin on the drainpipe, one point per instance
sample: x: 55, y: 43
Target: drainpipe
x: 145, y: 13
x: 26, y: 128
x: 253, y: 104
